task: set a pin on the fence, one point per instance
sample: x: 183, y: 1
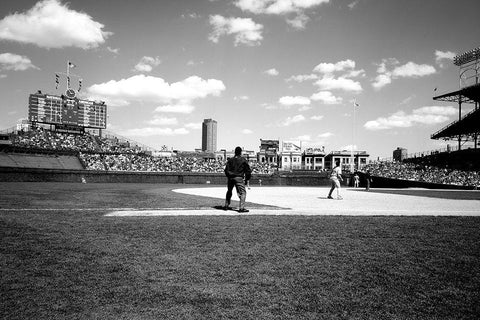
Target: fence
x: 15, y: 174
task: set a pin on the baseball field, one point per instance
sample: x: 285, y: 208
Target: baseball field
x: 147, y: 251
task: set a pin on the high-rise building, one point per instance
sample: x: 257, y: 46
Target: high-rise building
x: 400, y: 154
x: 209, y: 135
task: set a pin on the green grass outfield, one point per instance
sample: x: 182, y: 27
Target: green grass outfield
x: 63, y: 257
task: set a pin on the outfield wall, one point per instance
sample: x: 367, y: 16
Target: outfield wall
x: 381, y: 182
x: 11, y: 174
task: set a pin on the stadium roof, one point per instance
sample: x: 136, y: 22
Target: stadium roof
x: 467, y: 57
x: 469, y: 94
x: 466, y: 126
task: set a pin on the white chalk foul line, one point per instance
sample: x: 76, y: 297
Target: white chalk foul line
x: 96, y: 209
x: 283, y: 212
x: 159, y: 212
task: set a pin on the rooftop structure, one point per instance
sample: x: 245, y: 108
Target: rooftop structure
x: 467, y: 127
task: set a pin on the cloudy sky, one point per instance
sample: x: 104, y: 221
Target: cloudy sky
x: 264, y: 69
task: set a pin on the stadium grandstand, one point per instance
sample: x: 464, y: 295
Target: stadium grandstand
x: 466, y: 129
x: 66, y: 133
x: 37, y: 146
x: 458, y: 164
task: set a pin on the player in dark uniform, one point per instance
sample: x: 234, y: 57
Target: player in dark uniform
x: 368, y: 179
x: 237, y: 171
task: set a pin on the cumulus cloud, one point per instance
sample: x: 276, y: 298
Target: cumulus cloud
x: 154, y: 89
x: 51, y: 24
x: 277, y: 7
x: 302, y: 78
x: 328, y: 77
x: 315, y: 141
x: 326, y: 97
x: 299, y: 21
x: 15, y: 62
x: 316, y: 118
x: 268, y: 106
x: 353, y: 4
x: 297, y: 8
x: 113, y: 50
x: 441, y: 56
x: 389, y: 69
x: 146, y: 64
x: 162, y: 121
x: 292, y: 120
x: 382, y: 80
x: 344, y: 68
x: 304, y: 108
x: 330, y: 68
x: 426, y: 115
x: 340, y: 83
x: 291, y: 101
x: 247, y: 131
x: 154, y: 131
x: 325, y: 135
x: 245, y: 30
x: 241, y: 98
x: 337, y: 76
x: 272, y: 72
x: 176, y: 108
x: 413, y: 70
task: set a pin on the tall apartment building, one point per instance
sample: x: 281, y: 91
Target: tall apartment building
x: 400, y: 154
x: 209, y: 135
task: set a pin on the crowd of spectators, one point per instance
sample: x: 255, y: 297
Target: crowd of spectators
x: 111, y: 154
x: 424, y: 173
x: 36, y: 138
x: 41, y: 138
x: 148, y: 163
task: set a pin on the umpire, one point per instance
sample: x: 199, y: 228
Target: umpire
x: 236, y: 170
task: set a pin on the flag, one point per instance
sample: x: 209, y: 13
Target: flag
x: 71, y: 65
x: 57, y: 78
x: 68, y: 82
x: 79, y: 84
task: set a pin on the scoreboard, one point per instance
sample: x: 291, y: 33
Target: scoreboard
x: 62, y: 110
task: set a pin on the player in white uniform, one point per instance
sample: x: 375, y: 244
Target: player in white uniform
x: 336, y: 178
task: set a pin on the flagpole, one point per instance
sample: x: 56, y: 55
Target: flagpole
x: 352, y: 165
x: 68, y: 74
